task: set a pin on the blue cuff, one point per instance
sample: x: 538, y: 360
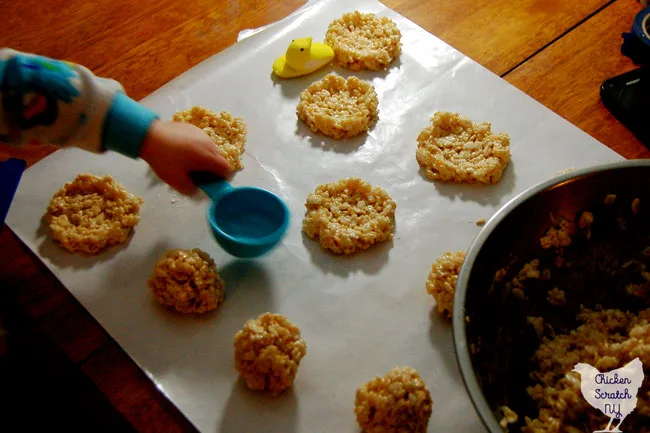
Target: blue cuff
x: 126, y: 126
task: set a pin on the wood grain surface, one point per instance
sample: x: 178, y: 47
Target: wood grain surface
x: 499, y: 34
x: 566, y: 77
x: 555, y: 50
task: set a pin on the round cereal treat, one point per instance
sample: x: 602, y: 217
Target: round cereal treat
x: 229, y: 133
x: 349, y: 215
x: 398, y: 402
x: 442, y: 281
x: 92, y: 213
x: 268, y: 351
x: 187, y: 281
x: 455, y: 149
x: 339, y: 107
x: 364, y: 40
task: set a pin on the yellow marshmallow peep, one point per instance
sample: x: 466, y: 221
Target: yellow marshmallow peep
x: 302, y: 57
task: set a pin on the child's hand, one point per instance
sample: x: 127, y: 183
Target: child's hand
x: 174, y: 149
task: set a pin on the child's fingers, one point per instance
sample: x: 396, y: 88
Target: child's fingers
x: 214, y: 163
x: 183, y: 184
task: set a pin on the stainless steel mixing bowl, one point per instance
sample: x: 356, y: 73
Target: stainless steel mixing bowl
x: 514, y: 231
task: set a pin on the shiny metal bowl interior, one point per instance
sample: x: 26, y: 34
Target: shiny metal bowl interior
x: 516, y: 229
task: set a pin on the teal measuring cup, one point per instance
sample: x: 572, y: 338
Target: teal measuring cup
x: 246, y: 221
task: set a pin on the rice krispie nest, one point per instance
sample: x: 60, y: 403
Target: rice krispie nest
x: 398, y: 402
x: 455, y: 149
x: 187, y: 281
x: 349, y: 215
x: 91, y: 213
x: 229, y: 133
x: 442, y: 281
x: 339, y: 107
x: 607, y: 340
x: 364, y: 40
x: 268, y: 351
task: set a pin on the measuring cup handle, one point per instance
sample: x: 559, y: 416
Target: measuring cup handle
x: 211, y: 184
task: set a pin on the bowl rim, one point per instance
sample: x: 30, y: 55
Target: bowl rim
x: 461, y: 348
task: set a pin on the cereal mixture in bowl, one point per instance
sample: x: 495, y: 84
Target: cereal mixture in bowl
x: 592, y: 246
x: 228, y: 132
x: 394, y: 403
x: 605, y: 339
x: 548, y: 292
x: 455, y: 149
x: 338, y: 107
x: 562, y: 231
x: 268, y: 351
x: 187, y: 281
x: 349, y: 215
x: 91, y: 213
x: 364, y: 41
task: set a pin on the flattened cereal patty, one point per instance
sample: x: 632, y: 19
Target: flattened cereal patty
x: 349, y: 215
x: 395, y: 403
x: 442, y: 281
x: 229, y: 133
x: 455, y: 149
x: 364, y: 40
x: 92, y: 213
x: 187, y: 281
x: 268, y: 351
x: 337, y: 107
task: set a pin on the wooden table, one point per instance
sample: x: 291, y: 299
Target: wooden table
x: 557, y: 51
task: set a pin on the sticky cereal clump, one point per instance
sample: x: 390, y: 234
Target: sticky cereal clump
x: 228, y: 132
x: 338, y: 107
x: 556, y: 297
x: 586, y: 220
x: 364, y: 41
x: 398, y: 402
x: 92, y: 213
x: 442, y: 281
x: 561, y: 233
x: 349, y: 215
x: 509, y: 417
x: 187, y: 281
x: 610, y: 198
x: 606, y: 340
x: 455, y: 149
x: 268, y: 351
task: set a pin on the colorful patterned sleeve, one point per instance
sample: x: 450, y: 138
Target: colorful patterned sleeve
x: 46, y: 101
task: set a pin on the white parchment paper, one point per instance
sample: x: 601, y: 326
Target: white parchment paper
x: 361, y: 315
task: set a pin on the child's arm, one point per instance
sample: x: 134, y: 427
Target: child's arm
x: 46, y: 101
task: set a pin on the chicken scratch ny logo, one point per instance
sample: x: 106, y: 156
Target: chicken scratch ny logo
x: 614, y: 392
